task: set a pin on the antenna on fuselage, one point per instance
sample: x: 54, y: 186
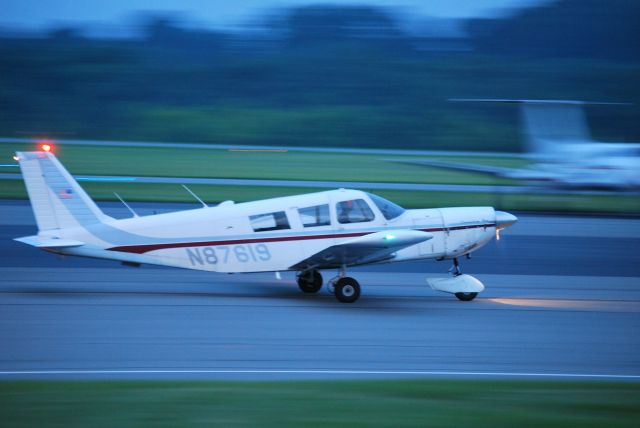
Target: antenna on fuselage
x: 195, y: 196
x: 126, y: 205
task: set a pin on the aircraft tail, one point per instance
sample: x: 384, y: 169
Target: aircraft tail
x: 57, y: 199
x: 548, y: 124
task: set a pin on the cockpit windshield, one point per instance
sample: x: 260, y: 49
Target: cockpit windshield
x: 389, y: 209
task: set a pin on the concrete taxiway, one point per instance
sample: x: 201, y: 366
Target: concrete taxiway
x: 562, y: 299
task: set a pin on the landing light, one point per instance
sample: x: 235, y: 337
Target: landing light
x: 390, y: 237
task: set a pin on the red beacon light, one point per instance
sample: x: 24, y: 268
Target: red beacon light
x: 46, y: 147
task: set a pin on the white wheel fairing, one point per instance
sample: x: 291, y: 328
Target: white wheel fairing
x: 457, y: 284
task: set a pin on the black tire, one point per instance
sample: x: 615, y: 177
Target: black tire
x: 347, y: 290
x: 466, y: 297
x: 310, y: 282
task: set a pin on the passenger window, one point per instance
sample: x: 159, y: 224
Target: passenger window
x: 354, y: 211
x: 270, y: 221
x: 315, y: 216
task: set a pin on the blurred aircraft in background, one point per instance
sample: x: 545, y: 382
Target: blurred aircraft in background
x: 326, y: 230
x: 557, y: 138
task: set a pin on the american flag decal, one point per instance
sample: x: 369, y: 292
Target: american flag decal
x: 65, y: 193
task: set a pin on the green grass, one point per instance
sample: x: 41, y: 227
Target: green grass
x: 418, y: 403
x: 185, y: 162
x: 291, y: 165
x: 103, y: 191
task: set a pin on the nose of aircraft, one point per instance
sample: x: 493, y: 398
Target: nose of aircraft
x: 504, y: 220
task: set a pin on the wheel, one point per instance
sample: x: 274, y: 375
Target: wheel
x: 466, y: 297
x: 310, y: 282
x: 347, y: 290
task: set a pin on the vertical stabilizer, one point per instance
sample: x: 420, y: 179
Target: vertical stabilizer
x: 57, y: 199
x: 548, y: 125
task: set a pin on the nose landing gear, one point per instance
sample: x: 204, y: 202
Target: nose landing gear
x: 466, y: 297
x: 456, y: 271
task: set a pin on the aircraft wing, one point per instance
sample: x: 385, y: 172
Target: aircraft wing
x: 485, y: 169
x: 369, y: 248
x: 532, y: 174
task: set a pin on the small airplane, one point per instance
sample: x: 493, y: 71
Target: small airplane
x: 558, y: 140
x: 307, y: 233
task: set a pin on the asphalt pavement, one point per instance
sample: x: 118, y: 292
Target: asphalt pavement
x: 562, y: 299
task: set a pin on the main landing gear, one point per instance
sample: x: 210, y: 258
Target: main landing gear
x: 457, y: 271
x: 346, y: 289
x: 310, y: 281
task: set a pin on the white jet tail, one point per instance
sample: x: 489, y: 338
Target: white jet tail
x: 57, y: 199
x: 550, y: 124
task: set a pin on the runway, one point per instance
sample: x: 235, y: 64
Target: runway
x: 562, y: 299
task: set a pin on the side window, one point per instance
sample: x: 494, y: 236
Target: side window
x: 315, y: 216
x: 270, y: 221
x: 354, y: 211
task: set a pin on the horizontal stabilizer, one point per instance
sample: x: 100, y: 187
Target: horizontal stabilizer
x: 46, y: 242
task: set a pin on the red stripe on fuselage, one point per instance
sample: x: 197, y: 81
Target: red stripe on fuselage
x: 145, y: 248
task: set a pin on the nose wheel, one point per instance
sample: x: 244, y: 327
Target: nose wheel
x: 466, y: 297
x: 456, y: 271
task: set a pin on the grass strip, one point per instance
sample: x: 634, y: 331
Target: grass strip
x: 289, y: 165
x: 397, y: 403
x: 147, y: 192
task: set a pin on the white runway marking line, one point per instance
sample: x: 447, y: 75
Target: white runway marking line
x: 323, y: 372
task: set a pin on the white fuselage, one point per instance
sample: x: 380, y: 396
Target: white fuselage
x: 589, y: 164
x: 224, y: 238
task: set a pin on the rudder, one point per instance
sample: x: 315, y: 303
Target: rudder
x: 57, y: 200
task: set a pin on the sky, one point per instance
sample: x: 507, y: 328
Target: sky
x: 35, y: 14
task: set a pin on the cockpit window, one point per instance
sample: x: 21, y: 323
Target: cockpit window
x: 271, y: 221
x: 354, y: 211
x: 317, y: 215
x: 388, y: 209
